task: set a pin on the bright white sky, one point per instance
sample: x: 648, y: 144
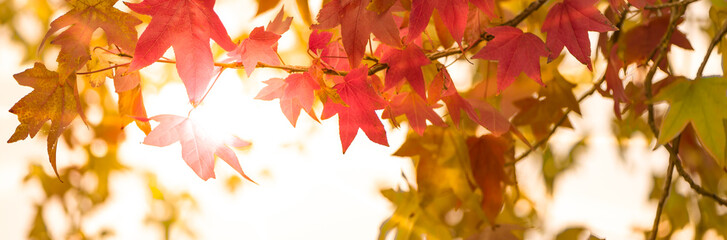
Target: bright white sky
x: 307, y: 188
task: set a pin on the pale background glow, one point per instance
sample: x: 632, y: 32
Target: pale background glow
x: 307, y: 188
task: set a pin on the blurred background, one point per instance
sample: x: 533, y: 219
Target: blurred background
x: 307, y: 189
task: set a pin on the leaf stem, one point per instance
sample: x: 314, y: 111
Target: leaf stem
x: 671, y: 4
x: 103, y: 69
x: 717, y: 38
x: 210, y: 88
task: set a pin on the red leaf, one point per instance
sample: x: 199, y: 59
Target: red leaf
x: 488, y: 168
x: 453, y: 13
x: 357, y: 24
x: 643, y: 39
x: 362, y: 100
x: 332, y: 53
x: 568, y: 23
x: 415, y: 109
x: 85, y: 17
x: 295, y: 92
x: 187, y: 26
x: 613, y: 81
x: 515, y: 52
x: 487, y: 6
x: 407, y: 63
x: 279, y: 25
x: 199, y: 147
x: 256, y: 48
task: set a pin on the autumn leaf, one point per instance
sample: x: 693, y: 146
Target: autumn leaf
x: 405, y: 63
x: 186, y: 26
x: 417, y: 111
x: 131, y: 107
x: 567, y: 24
x: 50, y: 100
x: 296, y: 92
x: 357, y: 24
x: 643, y: 39
x: 84, y: 18
x: 614, y: 82
x: 261, y: 45
x: 453, y: 14
x: 330, y: 53
x: 487, y: 159
x: 199, y: 146
x: 515, y: 52
x: 700, y: 103
x: 362, y: 100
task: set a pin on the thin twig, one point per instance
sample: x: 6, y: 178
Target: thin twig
x: 659, y: 53
x: 671, y: 4
x: 699, y: 189
x: 103, y: 69
x: 665, y: 194
x: 209, y: 89
x: 712, y: 44
x: 525, y: 13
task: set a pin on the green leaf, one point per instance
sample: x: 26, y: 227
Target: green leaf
x: 702, y: 103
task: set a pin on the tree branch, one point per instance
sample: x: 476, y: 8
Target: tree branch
x: 699, y: 189
x: 667, y: 188
x: 525, y: 13
x: 671, y: 4
x: 712, y: 44
x: 659, y: 53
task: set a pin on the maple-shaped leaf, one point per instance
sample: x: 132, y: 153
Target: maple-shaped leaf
x: 487, y: 159
x: 50, y: 100
x: 515, y: 52
x: 261, y: 45
x: 702, y: 103
x: 199, y: 147
x: 256, y: 48
x: 362, y: 100
x: 331, y: 53
x: 567, y: 24
x: 296, y: 92
x: 452, y: 12
x: 82, y: 20
x: 415, y: 109
x: 643, y: 39
x: 357, y: 24
x: 614, y: 82
x: 186, y: 26
x: 405, y: 63
x: 131, y: 108
x: 487, y: 6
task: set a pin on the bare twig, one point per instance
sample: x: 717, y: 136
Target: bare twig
x: 103, y: 69
x: 671, y: 4
x: 659, y: 53
x: 525, y: 13
x: 715, y: 40
x: 699, y: 189
x: 667, y: 188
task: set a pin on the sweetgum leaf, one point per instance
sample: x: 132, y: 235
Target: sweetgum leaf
x: 700, y: 103
x: 84, y: 18
x: 362, y: 100
x: 515, y: 52
x: 568, y: 23
x: 51, y: 100
x: 186, y: 26
x: 199, y: 147
x: 417, y: 111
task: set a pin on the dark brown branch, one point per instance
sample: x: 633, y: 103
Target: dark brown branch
x: 712, y: 44
x: 659, y: 53
x: 525, y: 13
x: 665, y: 195
x: 103, y: 69
x: 699, y: 189
x: 671, y: 4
